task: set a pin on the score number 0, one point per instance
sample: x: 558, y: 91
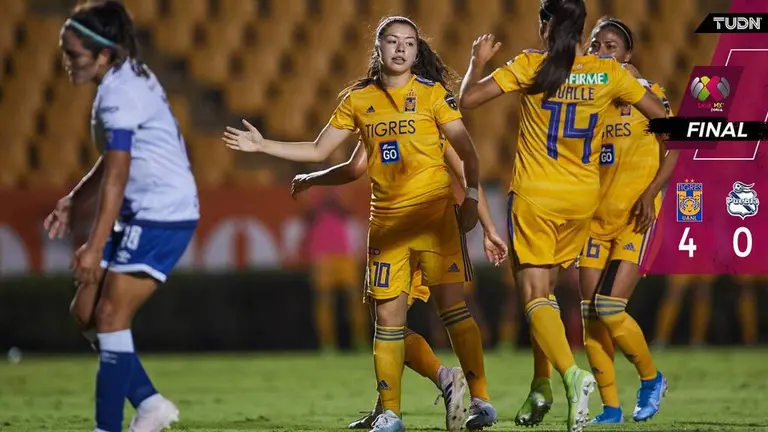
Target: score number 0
x: 690, y: 247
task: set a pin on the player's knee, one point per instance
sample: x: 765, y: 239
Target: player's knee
x: 83, y: 316
x: 108, y: 318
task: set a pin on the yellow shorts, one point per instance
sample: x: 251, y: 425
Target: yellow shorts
x: 336, y: 272
x: 543, y: 240
x: 418, y: 291
x: 421, y: 292
x: 427, y: 239
x: 626, y: 246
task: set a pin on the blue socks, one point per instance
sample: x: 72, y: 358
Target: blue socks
x: 120, y: 376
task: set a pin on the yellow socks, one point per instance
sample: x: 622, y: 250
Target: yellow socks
x: 626, y: 333
x: 420, y: 357
x: 599, y: 347
x: 324, y: 319
x: 468, y: 345
x: 388, y: 361
x: 549, y: 332
x: 541, y: 366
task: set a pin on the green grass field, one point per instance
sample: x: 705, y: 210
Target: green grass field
x: 709, y: 391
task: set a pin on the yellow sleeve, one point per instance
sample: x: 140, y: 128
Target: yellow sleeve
x: 444, y: 105
x: 343, y: 117
x: 659, y: 91
x: 627, y: 88
x: 513, y: 75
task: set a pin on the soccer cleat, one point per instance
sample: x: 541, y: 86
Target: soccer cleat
x: 537, y: 404
x: 610, y: 415
x: 649, y: 397
x: 387, y: 422
x: 578, y: 386
x: 453, y: 387
x: 156, y: 417
x: 366, y: 421
x: 481, y: 415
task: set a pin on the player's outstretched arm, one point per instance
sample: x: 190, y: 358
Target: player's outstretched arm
x: 340, y: 174
x: 476, y: 90
x: 251, y: 140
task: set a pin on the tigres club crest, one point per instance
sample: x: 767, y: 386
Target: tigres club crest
x: 410, y: 102
x: 742, y: 200
x: 690, y: 201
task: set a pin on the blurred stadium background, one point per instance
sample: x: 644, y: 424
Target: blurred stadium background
x: 259, y: 275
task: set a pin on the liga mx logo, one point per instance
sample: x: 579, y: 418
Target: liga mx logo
x: 742, y: 200
x: 710, y: 92
x: 689, y: 201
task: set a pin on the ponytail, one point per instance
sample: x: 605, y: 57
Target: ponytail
x: 566, y: 23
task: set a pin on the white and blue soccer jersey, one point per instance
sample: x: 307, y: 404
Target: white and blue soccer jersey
x: 160, y: 205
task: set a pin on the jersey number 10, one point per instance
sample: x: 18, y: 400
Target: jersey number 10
x: 569, y: 128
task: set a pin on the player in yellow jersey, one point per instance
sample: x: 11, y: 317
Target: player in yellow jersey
x: 400, y: 111
x: 418, y: 354
x: 632, y: 176
x: 556, y: 183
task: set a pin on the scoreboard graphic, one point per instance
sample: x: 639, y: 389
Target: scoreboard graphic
x: 711, y: 221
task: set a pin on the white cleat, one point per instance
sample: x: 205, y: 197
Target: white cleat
x: 454, y: 387
x: 388, y: 422
x: 154, y: 415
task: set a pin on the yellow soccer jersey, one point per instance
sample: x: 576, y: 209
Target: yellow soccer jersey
x: 558, y: 148
x: 629, y: 160
x: 405, y: 152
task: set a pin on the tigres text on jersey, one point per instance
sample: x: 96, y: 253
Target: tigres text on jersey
x: 403, y: 140
x: 558, y: 149
x: 629, y: 160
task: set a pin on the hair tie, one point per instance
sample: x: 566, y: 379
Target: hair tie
x: 88, y: 32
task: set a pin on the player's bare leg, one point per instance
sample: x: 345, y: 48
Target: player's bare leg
x: 82, y: 310
x: 539, y: 400
x: 534, y: 284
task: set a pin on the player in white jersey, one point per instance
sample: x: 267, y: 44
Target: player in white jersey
x: 147, y: 207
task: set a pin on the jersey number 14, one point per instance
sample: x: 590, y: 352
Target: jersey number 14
x: 569, y: 128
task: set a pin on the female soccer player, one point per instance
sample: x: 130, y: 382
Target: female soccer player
x: 400, y: 110
x: 555, y: 187
x: 145, y: 191
x: 419, y: 356
x: 630, y: 171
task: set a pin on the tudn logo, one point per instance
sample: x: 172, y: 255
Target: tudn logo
x: 705, y: 87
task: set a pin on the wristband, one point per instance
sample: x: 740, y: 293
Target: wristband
x: 473, y: 193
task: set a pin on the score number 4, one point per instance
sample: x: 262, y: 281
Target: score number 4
x: 687, y: 245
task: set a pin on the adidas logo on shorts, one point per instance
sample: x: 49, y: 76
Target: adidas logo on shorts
x: 629, y: 247
x: 454, y: 268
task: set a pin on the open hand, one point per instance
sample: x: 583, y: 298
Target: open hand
x: 484, y: 48
x: 248, y: 140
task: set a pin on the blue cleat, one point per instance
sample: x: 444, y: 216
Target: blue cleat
x: 610, y: 415
x: 649, y: 397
